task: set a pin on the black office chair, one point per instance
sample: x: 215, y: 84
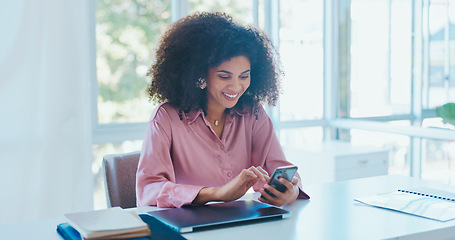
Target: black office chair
x: 120, y: 179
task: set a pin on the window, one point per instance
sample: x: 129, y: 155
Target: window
x: 380, y: 55
x: 301, y: 52
x: 126, y: 35
x: 440, y: 36
x: 398, y: 146
x: 385, y: 39
x: 240, y: 10
x: 377, y: 74
x: 297, y: 137
x: 438, y: 159
x: 438, y: 156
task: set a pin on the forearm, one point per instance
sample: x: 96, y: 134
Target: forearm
x: 206, y: 195
x: 165, y: 194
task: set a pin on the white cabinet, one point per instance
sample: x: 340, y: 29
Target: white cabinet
x: 336, y: 161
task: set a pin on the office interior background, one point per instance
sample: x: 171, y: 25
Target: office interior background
x: 73, y: 86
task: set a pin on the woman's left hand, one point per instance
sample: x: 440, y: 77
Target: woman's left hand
x: 281, y: 198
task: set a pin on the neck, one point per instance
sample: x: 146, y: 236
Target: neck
x: 215, y: 114
x: 215, y: 117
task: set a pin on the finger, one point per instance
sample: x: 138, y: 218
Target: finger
x: 263, y: 171
x: 275, y: 192
x: 258, y: 173
x: 265, y: 195
x: 265, y: 174
x: 255, y: 171
x: 286, y: 183
x: 247, y: 175
x: 295, y: 181
x: 266, y: 198
x: 249, y: 172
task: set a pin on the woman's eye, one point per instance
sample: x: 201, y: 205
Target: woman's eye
x: 223, y: 77
x: 244, y: 77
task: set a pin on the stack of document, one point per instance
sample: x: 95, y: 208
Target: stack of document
x: 111, y: 223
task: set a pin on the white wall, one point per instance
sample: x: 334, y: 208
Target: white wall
x: 45, y: 136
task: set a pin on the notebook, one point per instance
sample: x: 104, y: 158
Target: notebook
x: 190, y: 218
x: 423, y: 202
x: 105, y: 223
x: 159, y: 231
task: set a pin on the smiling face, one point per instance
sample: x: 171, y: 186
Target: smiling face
x: 227, y: 82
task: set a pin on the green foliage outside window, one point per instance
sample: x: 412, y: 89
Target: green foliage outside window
x: 447, y: 113
x: 127, y: 32
x: 240, y: 10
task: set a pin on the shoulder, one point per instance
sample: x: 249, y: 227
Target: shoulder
x: 164, y: 112
x: 260, y: 113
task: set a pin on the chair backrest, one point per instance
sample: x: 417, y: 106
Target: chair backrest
x: 120, y: 179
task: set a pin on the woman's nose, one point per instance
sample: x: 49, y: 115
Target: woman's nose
x: 236, y: 84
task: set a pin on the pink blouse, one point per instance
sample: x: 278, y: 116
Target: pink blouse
x: 180, y: 157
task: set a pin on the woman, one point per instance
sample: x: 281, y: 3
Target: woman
x: 209, y: 139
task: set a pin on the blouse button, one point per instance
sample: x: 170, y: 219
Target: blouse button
x: 222, y: 147
x: 229, y: 174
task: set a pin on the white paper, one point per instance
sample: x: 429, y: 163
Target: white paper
x: 428, y: 207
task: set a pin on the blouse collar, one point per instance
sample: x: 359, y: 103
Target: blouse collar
x: 192, y: 115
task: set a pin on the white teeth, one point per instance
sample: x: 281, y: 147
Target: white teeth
x: 231, y: 96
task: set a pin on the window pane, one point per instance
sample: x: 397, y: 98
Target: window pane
x: 380, y: 69
x: 240, y: 10
x: 400, y: 57
x: 436, y: 123
x: 297, y: 137
x: 398, y: 145
x: 438, y: 157
x: 99, y: 151
x: 301, y: 52
x: 441, y: 72
x: 126, y: 36
x: 438, y: 160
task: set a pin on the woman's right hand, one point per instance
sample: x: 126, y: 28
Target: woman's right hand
x: 235, y: 188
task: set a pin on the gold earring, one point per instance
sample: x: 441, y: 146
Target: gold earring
x: 201, y: 83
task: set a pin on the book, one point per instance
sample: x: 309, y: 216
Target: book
x: 423, y: 202
x: 158, y: 230
x: 111, y: 223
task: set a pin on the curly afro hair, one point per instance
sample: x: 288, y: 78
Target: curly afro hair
x: 199, y: 42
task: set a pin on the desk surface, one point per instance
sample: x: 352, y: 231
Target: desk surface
x: 330, y: 214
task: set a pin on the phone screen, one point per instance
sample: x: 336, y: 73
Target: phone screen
x: 286, y: 172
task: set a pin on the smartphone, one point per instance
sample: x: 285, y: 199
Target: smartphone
x: 286, y: 172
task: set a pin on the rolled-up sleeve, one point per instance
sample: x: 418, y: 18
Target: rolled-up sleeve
x: 155, y: 178
x: 267, y: 151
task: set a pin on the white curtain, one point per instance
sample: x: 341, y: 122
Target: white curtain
x: 45, y: 137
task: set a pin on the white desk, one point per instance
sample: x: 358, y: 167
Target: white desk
x: 330, y: 214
